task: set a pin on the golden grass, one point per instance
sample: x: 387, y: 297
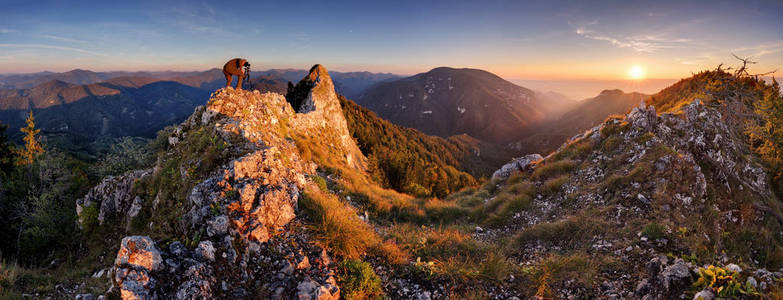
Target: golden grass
x: 336, y: 224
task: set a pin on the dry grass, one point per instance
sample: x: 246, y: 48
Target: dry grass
x: 336, y: 224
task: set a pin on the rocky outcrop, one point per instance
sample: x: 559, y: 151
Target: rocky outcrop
x: 516, y: 165
x: 114, y: 198
x: 238, y: 218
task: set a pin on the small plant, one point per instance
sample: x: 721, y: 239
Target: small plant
x: 320, y: 182
x: 723, y: 282
x: 654, y: 231
x: 426, y: 268
x: 9, y: 274
x: 232, y: 194
x: 214, y: 207
x: 359, y: 281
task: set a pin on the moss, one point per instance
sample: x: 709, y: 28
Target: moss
x: 358, y: 280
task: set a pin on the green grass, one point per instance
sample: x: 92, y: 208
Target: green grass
x: 570, y: 233
x: 553, y: 168
x: 654, y: 231
x: 357, y: 280
x: 553, y: 185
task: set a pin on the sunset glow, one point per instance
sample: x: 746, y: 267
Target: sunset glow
x: 636, y: 72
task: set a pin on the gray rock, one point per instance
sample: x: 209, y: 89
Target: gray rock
x: 308, y: 289
x: 113, y: 197
x: 516, y: 165
x: 734, y: 268
x: 138, y: 252
x: 85, y: 297
x: 704, y: 295
x: 217, y: 226
x: 205, y: 251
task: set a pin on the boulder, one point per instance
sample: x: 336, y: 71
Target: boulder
x: 515, y: 166
x: 308, y: 289
x: 137, y: 260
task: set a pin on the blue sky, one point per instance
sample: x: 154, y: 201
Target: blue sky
x: 515, y: 39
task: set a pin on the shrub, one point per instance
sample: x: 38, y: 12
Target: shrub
x: 89, y: 218
x: 358, y: 280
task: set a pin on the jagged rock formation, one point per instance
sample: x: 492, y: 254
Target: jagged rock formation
x: 113, y: 198
x: 238, y: 218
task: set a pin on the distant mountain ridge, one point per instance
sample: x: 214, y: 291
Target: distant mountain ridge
x: 547, y: 136
x: 447, y: 101
x: 123, y: 106
x: 350, y: 84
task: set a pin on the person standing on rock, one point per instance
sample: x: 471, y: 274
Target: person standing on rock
x: 239, y: 67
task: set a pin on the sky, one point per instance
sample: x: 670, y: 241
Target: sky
x: 522, y: 40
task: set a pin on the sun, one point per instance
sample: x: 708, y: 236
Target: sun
x: 636, y: 72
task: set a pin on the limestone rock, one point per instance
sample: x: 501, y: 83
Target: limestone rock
x: 137, y: 259
x: 516, y: 165
x: 113, y: 196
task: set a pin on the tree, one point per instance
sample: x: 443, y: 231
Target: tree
x: 6, y: 153
x: 32, y: 149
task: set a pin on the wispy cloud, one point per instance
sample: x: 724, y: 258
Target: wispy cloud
x: 757, y: 51
x: 52, y: 47
x: 6, y: 30
x: 642, y: 43
x: 62, y: 39
x: 696, y: 59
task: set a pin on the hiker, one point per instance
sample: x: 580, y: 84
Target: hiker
x: 239, y: 67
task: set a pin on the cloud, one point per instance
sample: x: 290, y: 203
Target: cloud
x: 52, y: 47
x: 640, y: 43
x: 62, y: 39
x: 761, y: 49
x: 6, y: 30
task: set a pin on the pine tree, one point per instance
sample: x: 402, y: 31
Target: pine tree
x: 32, y: 149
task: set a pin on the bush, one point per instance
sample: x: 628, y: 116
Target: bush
x: 358, y: 280
x: 89, y: 218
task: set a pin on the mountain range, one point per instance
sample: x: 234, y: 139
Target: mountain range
x: 447, y: 101
x: 81, y: 106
